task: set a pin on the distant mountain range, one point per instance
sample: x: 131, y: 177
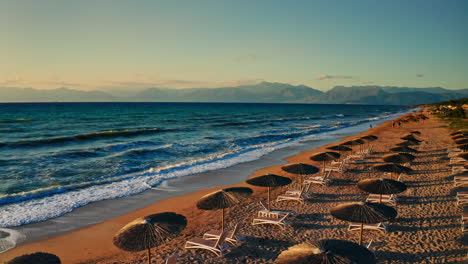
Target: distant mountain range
x: 265, y: 92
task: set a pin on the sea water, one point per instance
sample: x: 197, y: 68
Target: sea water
x: 55, y: 157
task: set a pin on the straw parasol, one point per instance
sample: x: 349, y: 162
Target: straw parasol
x: 463, y: 155
x: 223, y: 199
x: 410, y: 137
x: 364, y: 213
x: 463, y: 147
x: 369, y: 139
x: 300, y: 169
x: 458, y: 137
x: 150, y: 231
x: 399, y: 158
x: 461, y: 141
x: 415, y: 132
x: 392, y: 168
x: 352, y: 143
x: 269, y: 180
x: 408, y: 143
x: 36, y: 258
x: 340, y: 148
x: 325, y: 156
x: 459, y: 132
x: 381, y: 186
x: 326, y: 251
x: 404, y: 149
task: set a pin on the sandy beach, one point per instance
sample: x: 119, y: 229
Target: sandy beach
x: 426, y: 230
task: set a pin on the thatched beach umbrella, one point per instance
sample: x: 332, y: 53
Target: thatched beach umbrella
x: 404, y: 149
x: 415, y: 132
x: 223, y: 199
x: 355, y: 142
x: 463, y: 147
x: 456, y: 137
x: 325, y: 156
x: 269, y: 180
x: 392, y: 168
x: 150, y: 231
x: 463, y: 155
x: 369, y: 139
x: 326, y: 251
x: 340, y: 148
x: 408, y: 143
x: 461, y: 141
x: 459, y: 132
x: 399, y: 158
x: 381, y: 186
x: 300, y: 169
x: 36, y: 258
x: 410, y: 137
x: 364, y: 213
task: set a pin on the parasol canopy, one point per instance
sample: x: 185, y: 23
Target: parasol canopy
x: 390, y: 167
x: 223, y: 199
x: 404, y: 149
x: 463, y: 147
x: 300, y: 169
x: 325, y: 156
x: 269, y: 180
x: 364, y: 213
x: 326, y: 251
x: 461, y: 141
x: 408, y: 143
x: 36, y: 258
x: 463, y: 155
x: 399, y: 158
x: 415, y: 132
x: 340, y: 148
x: 370, y: 138
x: 410, y: 137
x: 150, y: 231
x: 382, y: 186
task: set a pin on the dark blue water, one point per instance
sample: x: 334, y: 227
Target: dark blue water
x: 55, y: 157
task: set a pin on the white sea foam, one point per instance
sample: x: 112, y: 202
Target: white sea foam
x: 44, y: 208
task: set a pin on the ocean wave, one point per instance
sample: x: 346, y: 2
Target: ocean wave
x: 85, y: 137
x: 37, y: 206
x: 18, y: 120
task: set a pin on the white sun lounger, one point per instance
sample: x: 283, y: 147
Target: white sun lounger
x: 323, y: 179
x: 272, y: 219
x: 340, y: 168
x: 382, y: 227
x: 386, y: 198
x: 218, y: 246
x: 293, y: 195
x: 232, y: 237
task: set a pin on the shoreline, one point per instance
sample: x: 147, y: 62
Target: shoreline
x: 179, y: 198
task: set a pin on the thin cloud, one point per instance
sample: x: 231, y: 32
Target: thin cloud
x: 328, y: 76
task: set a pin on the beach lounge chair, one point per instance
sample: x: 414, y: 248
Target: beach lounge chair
x: 323, y: 180
x: 338, y: 167
x: 172, y: 259
x: 265, y: 210
x: 272, y: 219
x: 386, y: 198
x: 293, y: 195
x: 460, y: 180
x: 382, y: 227
x: 218, y: 246
x: 232, y: 237
x: 462, y: 198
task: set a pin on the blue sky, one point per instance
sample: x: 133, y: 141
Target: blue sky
x: 135, y: 44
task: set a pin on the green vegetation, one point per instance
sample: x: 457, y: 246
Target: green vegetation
x: 453, y: 111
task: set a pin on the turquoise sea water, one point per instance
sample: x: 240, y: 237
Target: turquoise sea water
x: 55, y: 157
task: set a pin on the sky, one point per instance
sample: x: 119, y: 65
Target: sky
x: 129, y: 45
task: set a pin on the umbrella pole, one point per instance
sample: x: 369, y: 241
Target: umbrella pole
x: 149, y: 256
x: 324, y: 167
x: 268, y: 198
x: 380, y: 200
x: 360, y: 234
x: 222, y: 220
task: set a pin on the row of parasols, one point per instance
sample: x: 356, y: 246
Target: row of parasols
x: 154, y: 230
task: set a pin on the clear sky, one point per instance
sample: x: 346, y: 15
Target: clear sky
x: 207, y: 43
